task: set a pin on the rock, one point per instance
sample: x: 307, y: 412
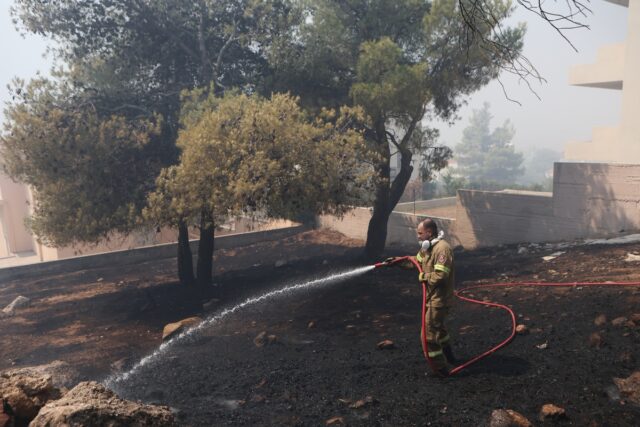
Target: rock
x: 211, y: 304
x: 522, y: 330
x: 551, y: 411
x: 334, y: 421
x: 635, y: 318
x: 172, y: 329
x: 311, y: 325
x: 280, y: 263
x: 261, y: 339
x: 62, y: 374
x: 508, y: 418
x: 619, y: 321
x: 522, y: 250
x: 632, y: 258
x: 91, y: 403
x: 5, y: 420
x: 596, y: 340
x: 601, y: 320
x: 386, y: 345
x: 25, y: 391
x: 19, y: 302
x: 629, y: 387
x: 543, y: 346
x: 552, y: 256
x: 362, y: 403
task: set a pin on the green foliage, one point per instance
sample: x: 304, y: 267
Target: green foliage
x: 402, y: 61
x: 248, y: 155
x: 82, y: 139
x: 90, y: 174
x: 486, y: 156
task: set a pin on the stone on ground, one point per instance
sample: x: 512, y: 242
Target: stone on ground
x: 19, y: 302
x: 508, y: 418
x: 619, y: 321
x: 551, y: 411
x: 386, y: 345
x: 596, y: 340
x: 5, y: 420
x: 25, y: 391
x: 522, y: 329
x: 263, y: 339
x: 367, y: 401
x: 335, y: 421
x: 175, y: 328
x: 91, y: 403
x: 629, y: 387
x: 600, y: 320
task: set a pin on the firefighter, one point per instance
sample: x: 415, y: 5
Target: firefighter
x: 436, y: 258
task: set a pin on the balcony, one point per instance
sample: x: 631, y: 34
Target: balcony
x: 606, y: 73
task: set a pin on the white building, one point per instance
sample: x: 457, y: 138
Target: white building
x: 616, y: 68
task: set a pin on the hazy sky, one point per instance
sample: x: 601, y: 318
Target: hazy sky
x: 564, y: 112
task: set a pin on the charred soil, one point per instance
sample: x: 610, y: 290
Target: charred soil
x: 324, y: 363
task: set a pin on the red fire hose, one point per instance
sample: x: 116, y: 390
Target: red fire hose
x: 459, y: 294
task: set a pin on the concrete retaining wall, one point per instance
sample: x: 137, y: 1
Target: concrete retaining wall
x: 588, y: 200
x: 426, y: 204
x: 401, y: 228
x: 134, y: 256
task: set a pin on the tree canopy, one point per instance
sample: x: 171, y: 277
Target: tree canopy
x: 244, y: 155
x: 90, y: 174
x: 127, y: 62
x: 403, y: 62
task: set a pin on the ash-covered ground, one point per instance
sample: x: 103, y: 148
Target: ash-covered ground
x: 324, y: 362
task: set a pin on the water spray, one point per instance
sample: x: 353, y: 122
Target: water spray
x: 114, y: 380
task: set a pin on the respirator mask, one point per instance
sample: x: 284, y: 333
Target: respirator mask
x: 426, y: 244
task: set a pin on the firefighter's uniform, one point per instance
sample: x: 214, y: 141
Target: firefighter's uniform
x: 438, y: 272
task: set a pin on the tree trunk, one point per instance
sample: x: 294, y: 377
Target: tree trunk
x: 386, y: 199
x: 205, y: 252
x: 185, y: 261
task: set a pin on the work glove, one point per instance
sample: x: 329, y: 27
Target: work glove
x: 422, y: 277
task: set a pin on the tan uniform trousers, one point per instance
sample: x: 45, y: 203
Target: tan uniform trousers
x: 437, y: 336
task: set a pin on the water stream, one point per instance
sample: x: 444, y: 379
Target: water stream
x: 113, y: 381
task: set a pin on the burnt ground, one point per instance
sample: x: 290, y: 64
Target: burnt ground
x: 94, y: 318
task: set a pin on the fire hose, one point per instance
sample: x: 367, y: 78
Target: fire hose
x: 459, y: 294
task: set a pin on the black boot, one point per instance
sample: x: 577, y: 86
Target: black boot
x: 448, y: 353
